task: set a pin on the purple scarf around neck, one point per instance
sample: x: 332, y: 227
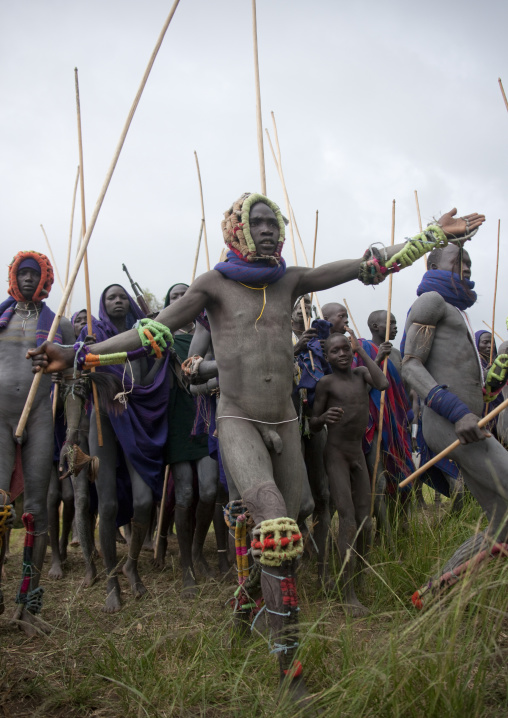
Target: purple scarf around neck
x: 44, y: 322
x: 259, y: 272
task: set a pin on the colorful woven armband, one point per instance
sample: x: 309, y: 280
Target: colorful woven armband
x: 446, y: 404
x: 416, y: 247
x: 155, y: 335
x: 496, y: 378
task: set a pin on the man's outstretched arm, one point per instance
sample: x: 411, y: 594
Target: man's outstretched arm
x: 334, y: 273
x: 182, y: 312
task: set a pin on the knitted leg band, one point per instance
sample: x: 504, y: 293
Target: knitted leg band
x: 31, y: 598
x: 276, y: 540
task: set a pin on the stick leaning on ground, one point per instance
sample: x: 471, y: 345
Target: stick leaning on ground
x: 93, y: 220
x: 483, y: 422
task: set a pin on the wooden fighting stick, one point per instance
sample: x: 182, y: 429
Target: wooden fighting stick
x: 385, y: 369
x: 202, y: 213
x: 278, y: 164
x: 483, y: 422
x: 259, y: 123
x: 420, y: 223
x: 85, y: 256
x: 197, y: 251
x: 495, y: 295
x: 503, y: 93
x: 84, y: 244
x: 161, y: 511
x: 69, y: 246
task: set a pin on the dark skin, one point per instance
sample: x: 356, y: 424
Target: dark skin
x: 484, y: 346
x: 255, y: 363
x: 117, y: 306
x: 28, y: 281
x: 378, y: 331
x: 298, y: 325
x: 336, y: 314
x: 80, y: 321
x: 345, y: 394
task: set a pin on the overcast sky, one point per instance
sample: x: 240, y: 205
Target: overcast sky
x: 372, y: 100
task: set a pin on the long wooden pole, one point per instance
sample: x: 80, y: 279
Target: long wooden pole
x: 350, y: 316
x: 445, y: 452
x: 203, y: 213
x: 197, y: 251
x: 320, y: 311
x: 57, y: 273
x: 496, y: 333
x: 495, y: 294
x: 85, y: 256
x: 93, y: 219
x: 503, y: 93
x: 69, y: 246
x: 420, y: 223
x: 259, y: 123
x: 385, y: 370
x: 306, y: 320
x: 161, y: 511
x: 314, y: 264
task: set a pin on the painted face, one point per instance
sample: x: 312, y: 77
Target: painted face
x: 28, y: 281
x: 450, y: 261
x: 79, y: 323
x: 117, y: 302
x: 484, y: 344
x: 297, y: 316
x: 177, y: 292
x: 264, y: 229
x: 381, y: 324
x: 339, y: 353
x: 339, y: 319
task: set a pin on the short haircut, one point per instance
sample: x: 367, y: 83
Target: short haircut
x: 334, y: 337
x: 375, y: 317
x: 434, y: 257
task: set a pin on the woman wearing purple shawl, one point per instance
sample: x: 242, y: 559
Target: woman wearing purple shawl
x: 483, y: 341
x: 131, y: 459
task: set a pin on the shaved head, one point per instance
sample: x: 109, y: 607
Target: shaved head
x: 336, y: 314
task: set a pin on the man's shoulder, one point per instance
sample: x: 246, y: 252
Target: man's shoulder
x: 429, y: 308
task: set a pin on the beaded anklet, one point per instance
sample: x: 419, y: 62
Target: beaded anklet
x: 30, y: 597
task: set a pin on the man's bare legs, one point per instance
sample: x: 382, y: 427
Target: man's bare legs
x: 221, y: 530
x: 270, y: 486
x: 60, y: 491
x: 314, y: 447
x: 350, y: 492
x: 208, y: 479
x: 380, y: 512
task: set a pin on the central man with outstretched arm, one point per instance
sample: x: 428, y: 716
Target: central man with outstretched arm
x: 249, y: 300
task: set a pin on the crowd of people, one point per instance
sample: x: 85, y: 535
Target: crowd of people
x: 236, y: 406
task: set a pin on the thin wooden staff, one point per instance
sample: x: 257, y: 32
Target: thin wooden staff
x: 385, y: 369
x: 503, y: 93
x: 84, y: 244
x: 350, y: 316
x: 445, y: 452
x: 69, y: 246
x: 161, y: 511
x: 489, y: 327
x: 314, y: 264
x: 259, y: 124
x: 278, y: 162
x: 69, y: 303
x: 320, y: 311
x: 85, y: 256
x: 197, y: 251
x: 495, y: 294
x: 55, y: 401
x: 420, y: 223
x: 57, y: 273
x: 202, y: 213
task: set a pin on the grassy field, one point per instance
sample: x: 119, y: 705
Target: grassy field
x: 160, y: 657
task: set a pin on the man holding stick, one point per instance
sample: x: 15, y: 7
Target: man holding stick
x: 452, y: 392
x: 24, y: 321
x: 249, y: 301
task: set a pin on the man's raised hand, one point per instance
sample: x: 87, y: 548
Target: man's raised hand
x: 458, y: 226
x: 50, y: 357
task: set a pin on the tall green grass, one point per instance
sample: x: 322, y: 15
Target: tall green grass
x: 162, y: 657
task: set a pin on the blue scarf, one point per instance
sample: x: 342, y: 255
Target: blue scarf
x: 450, y: 286
x: 454, y: 290
x: 259, y: 272
x: 309, y: 376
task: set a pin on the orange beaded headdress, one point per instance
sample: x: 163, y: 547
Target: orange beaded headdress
x: 45, y: 282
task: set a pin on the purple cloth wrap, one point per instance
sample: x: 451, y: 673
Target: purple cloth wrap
x: 259, y: 272
x: 446, y: 404
x: 44, y: 321
x: 142, y: 428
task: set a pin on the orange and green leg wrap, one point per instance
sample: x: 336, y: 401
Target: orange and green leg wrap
x: 30, y: 598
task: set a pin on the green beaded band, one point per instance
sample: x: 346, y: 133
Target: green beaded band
x: 160, y: 333
x: 417, y: 246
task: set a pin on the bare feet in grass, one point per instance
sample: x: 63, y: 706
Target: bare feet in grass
x: 130, y: 571
x: 29, y: 623
x: 113, y: 601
